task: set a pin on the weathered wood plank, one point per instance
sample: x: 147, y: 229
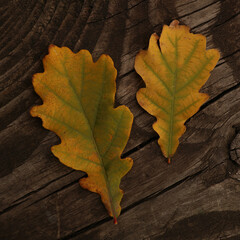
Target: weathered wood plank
x: 34, y: 183
x: 127, y: 87
x: 180, y: 213
x: 204, y: 147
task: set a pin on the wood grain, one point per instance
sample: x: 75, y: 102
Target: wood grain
x: 196, y: 197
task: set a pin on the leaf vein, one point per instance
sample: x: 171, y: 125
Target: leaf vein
x: 154, y: 103
x: 64, y: 123
x: 195, y: 75
x: 77, y: 156
x: 100, y: 98
x: 155, y: 74
x: 187, y: 107
x: 59, y: 97
x: 188, y: 58
x: 115, y: 134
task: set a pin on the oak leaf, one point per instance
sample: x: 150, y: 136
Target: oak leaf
x: 173, y: 73
x: 78, y: 99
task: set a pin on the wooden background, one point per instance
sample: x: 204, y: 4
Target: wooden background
x: 197, y: 197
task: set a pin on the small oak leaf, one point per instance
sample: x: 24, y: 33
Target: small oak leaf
x: 174, y: 69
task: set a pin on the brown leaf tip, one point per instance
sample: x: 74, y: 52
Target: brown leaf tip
x: 174, y: 24
x: 51, y: 46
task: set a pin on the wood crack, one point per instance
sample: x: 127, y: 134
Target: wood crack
x: 219, y: 96
x: 131, y: 206
x: 114, y: 15
x: 24, y: 198
x: 56, y: 191
x: 227, y: 20
x: 202, y: 8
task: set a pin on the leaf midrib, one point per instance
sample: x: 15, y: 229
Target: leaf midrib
x: 92, y: 136
x: 174, y: 90
x: 172, y: 109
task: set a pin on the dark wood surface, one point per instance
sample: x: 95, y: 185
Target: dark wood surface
x: 197, y: 197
